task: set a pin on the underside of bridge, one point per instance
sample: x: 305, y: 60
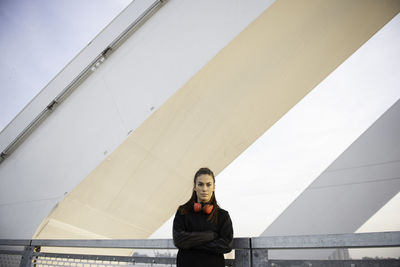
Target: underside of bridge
x: 219, y: 112
x: 215, y: 116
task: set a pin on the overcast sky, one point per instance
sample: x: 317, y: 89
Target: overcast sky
x: 38, y: 38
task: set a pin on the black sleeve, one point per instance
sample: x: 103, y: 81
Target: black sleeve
x: 223, y: 243
x: 187, y: 240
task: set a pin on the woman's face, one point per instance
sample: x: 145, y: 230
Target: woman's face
x: 204, y: 187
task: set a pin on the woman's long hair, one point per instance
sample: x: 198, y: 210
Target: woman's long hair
x: 188, y: 206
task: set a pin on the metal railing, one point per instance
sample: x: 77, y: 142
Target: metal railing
x: 249, y: 252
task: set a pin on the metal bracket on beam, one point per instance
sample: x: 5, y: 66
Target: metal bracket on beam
x: 52, y: 104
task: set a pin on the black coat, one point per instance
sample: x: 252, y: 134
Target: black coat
x: 200, y: 242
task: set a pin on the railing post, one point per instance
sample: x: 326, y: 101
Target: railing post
x: 242, y: 252
x: 260, y: 257
x: 26, y: 260
x: 242, y: 258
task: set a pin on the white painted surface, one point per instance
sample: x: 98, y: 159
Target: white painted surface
x: 77, y: 64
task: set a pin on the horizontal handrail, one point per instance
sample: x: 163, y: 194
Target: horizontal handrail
x: 108, y: 243
x: 359, y: 240
x: 15, y: 242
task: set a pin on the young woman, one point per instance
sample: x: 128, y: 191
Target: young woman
x: 202, y: 230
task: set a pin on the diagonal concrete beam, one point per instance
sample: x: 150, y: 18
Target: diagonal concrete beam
x: 217, y: 114
x: 351, y: 190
